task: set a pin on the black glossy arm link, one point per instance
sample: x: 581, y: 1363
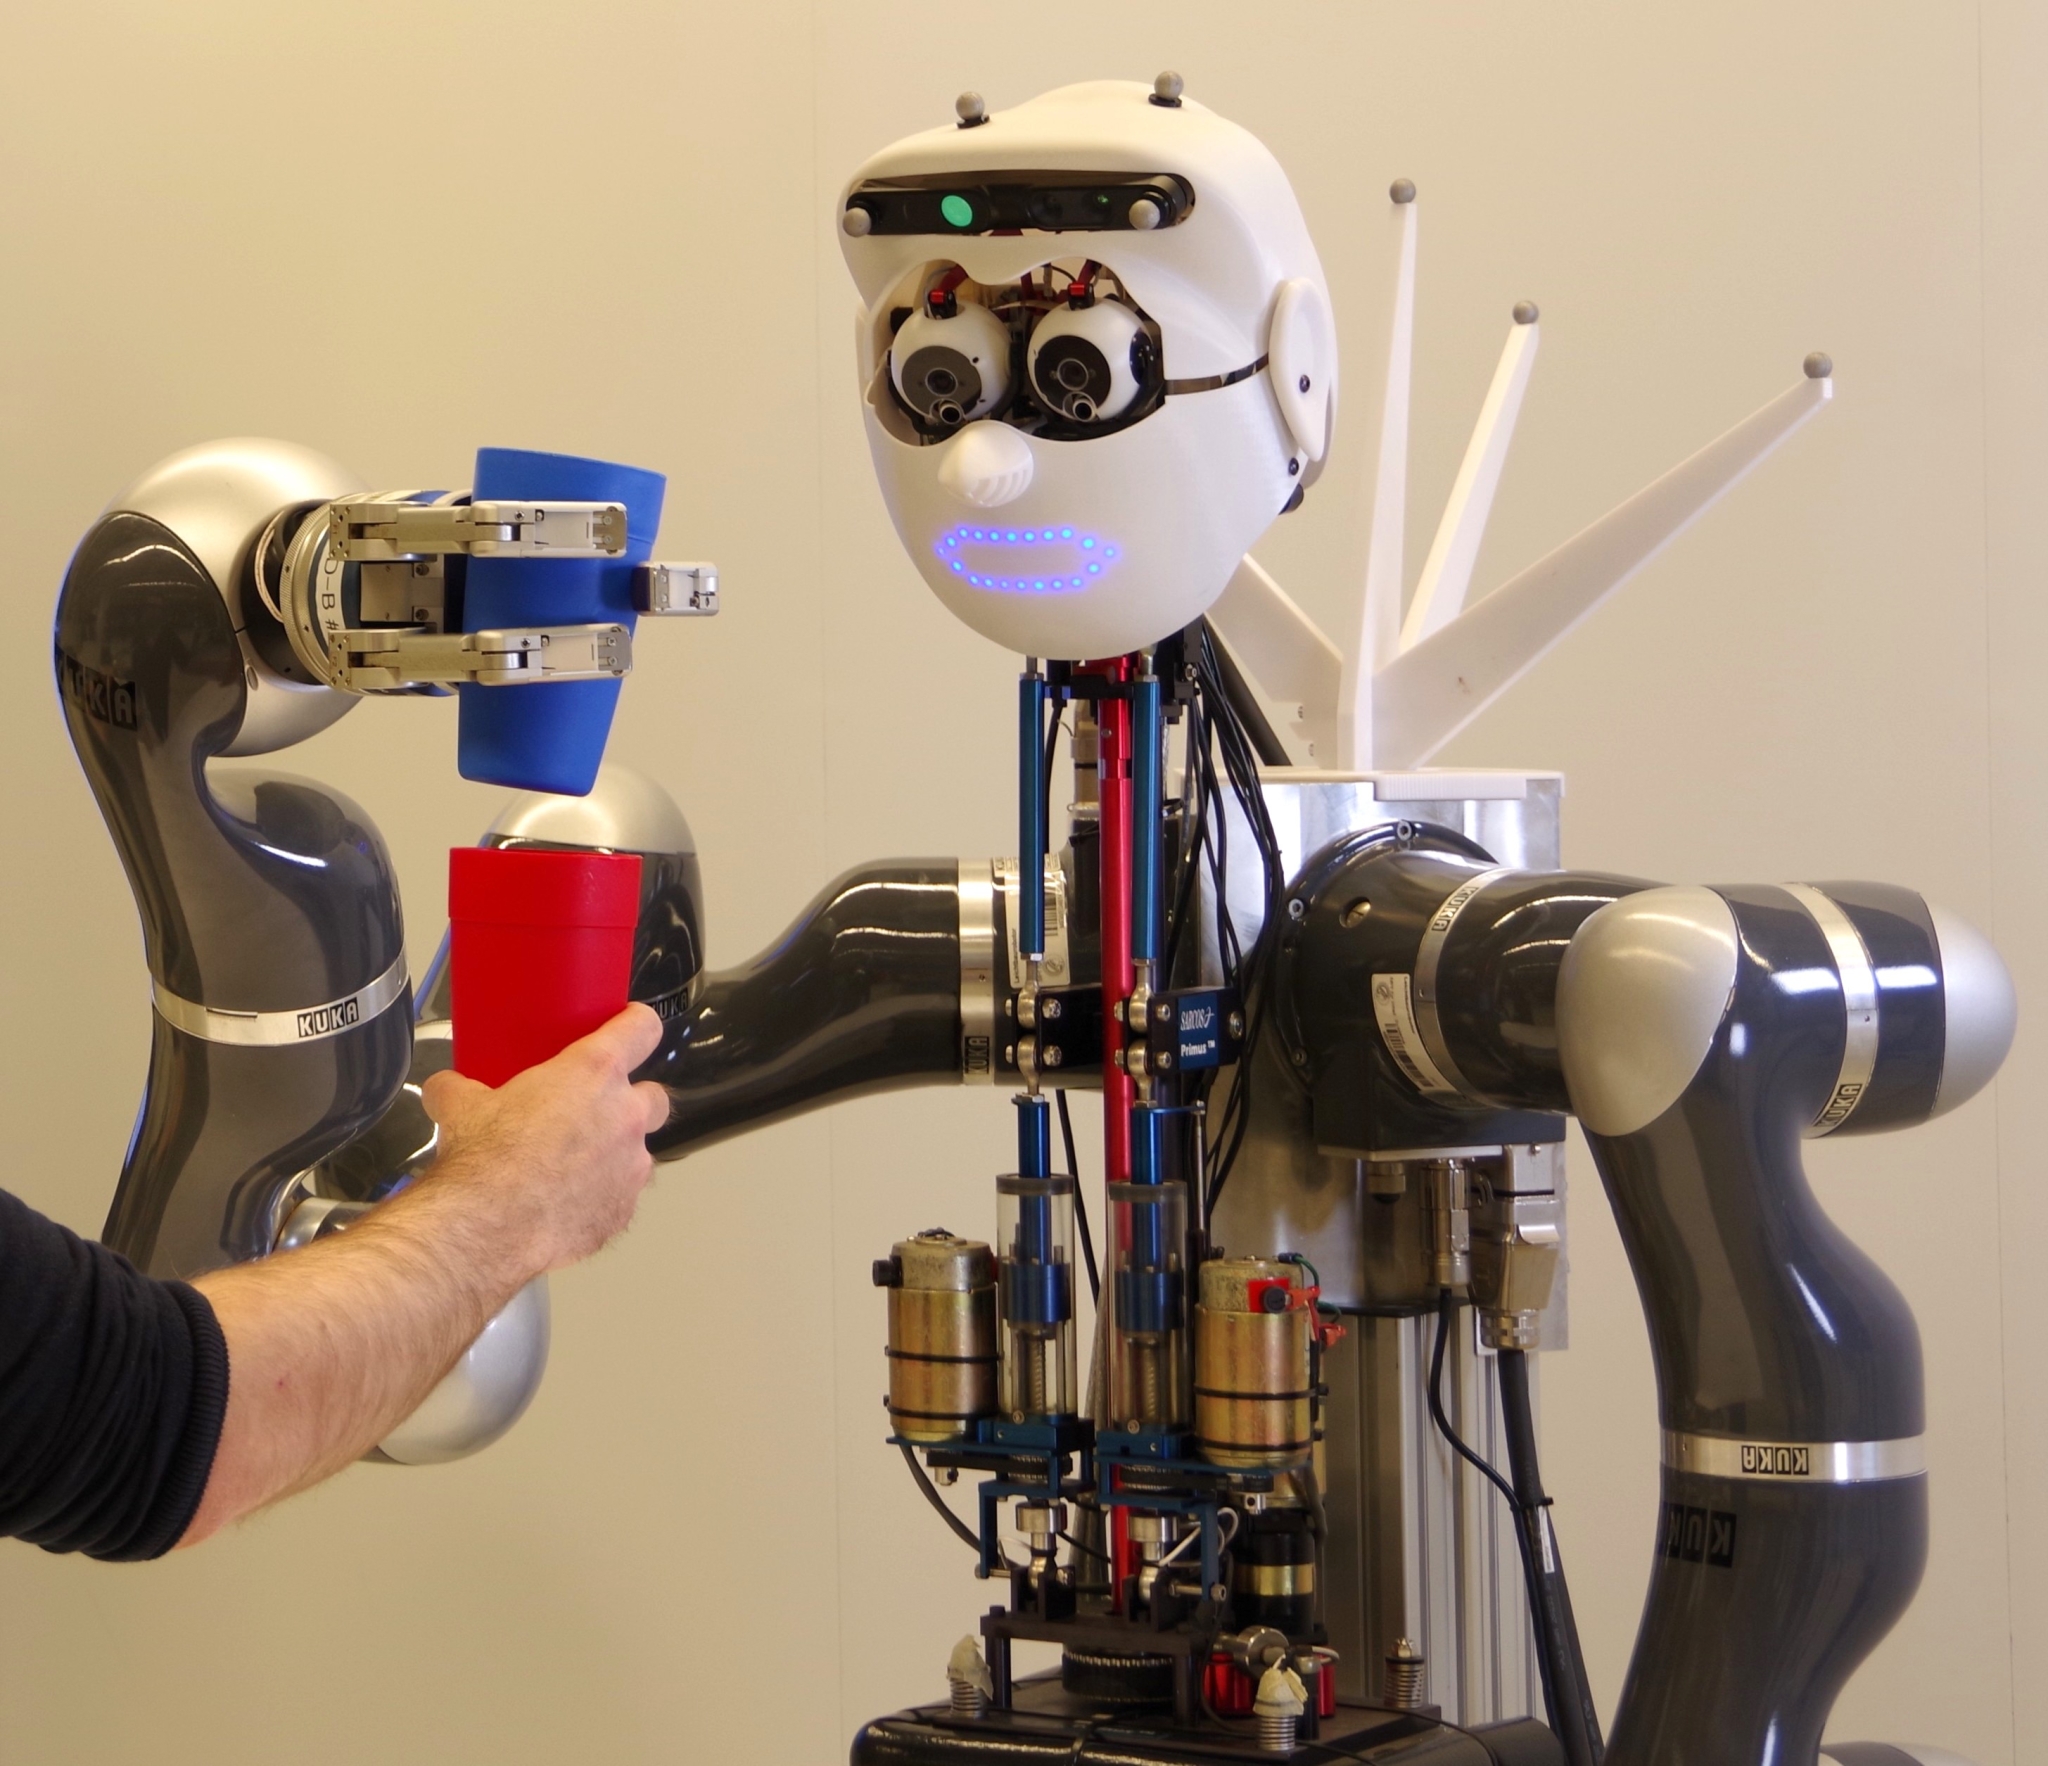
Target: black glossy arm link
x: 861, y: 995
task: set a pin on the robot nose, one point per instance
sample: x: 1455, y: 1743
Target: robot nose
x: 987, y: 465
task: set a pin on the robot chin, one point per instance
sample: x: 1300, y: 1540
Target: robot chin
x: 1111, y: 543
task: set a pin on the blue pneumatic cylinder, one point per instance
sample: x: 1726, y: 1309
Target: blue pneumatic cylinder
x: 550, y: 736
x: 1039, y: 1291
x: 1144, y: 829
x: 1147, y: 1288
x: 1031, y: 816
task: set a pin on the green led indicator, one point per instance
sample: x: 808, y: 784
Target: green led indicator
x: 959, y: 212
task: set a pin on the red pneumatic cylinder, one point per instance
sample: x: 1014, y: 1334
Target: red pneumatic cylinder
x: 540, y: 952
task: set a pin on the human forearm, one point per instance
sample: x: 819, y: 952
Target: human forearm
x: 332, y: 1345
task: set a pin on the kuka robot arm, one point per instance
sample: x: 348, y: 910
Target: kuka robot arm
x: 1699, y: 1035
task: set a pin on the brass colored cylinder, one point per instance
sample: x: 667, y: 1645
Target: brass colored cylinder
x: 942, y: 1336
x: 1252, y: 1365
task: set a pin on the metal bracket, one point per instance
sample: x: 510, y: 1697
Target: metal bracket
x: 371, y: 532
x: 1516, y: 1238
x: 385, y: 661
x: 665, y: 589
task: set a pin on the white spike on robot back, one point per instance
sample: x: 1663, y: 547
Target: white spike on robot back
x: 1405, y: 687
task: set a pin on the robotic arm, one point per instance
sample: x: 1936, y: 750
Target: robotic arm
x: 1700, y: 1035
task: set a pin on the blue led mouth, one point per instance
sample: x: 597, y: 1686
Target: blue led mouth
x: 1026, y: 560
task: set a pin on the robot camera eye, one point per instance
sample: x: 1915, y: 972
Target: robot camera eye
x: 1091, y: 364
x: 949, y: 367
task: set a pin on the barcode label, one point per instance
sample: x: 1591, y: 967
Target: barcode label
x: 1393, y: 1005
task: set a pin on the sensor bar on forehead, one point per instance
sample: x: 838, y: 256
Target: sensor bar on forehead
x: 1019, y: 202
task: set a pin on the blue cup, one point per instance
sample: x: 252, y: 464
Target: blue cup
x: 550, y: 737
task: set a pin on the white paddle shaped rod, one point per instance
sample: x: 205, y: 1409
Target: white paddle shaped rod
x: 1405, y: 686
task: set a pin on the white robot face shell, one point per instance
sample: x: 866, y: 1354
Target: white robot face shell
x: 1072, y: 565
x: 1076, y: 530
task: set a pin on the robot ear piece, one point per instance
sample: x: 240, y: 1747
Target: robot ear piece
x: 1301, y: 354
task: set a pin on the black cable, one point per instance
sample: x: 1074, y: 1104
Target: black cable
x: 1052, y: 747
x: 1446, y: 1303
x: 1241, y: 766
x: 1566, y: 1708
x: 1244, y: 706
x: 1100, y: 1556
x: 1575, y: 1719
x: 938, y: 1502
x: 1080, y: 1203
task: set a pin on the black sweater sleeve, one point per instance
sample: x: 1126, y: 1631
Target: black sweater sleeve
x: 112, y: 1391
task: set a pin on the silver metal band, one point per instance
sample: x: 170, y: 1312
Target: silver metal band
x: 1213, y: 382
x: 1859, y: 1004
x: 1428, y: 955
x: 977, y: 971
x: 282, y: 1029
x: 1795, y: 1462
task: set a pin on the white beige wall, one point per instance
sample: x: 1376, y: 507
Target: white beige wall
x: 398, y: 231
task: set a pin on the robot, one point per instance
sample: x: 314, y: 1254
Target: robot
x: 1281, y: 1499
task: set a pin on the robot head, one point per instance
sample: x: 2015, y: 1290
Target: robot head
x: 1096, y: 358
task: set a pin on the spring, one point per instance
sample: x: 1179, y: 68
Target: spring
x: 1034, y: 1349
x: 968, y: 1699
x: 1276, y: 1732
x: 1402, y: 1688
x: 1148, y: 1383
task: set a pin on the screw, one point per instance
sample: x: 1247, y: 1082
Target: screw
x: 1236, y: 1023
x: 1297, y: 909
x: 1294, y: 468
x: 1049, y: 1009
x: 1299, y: 1057
x: 1053, y: 1055
x: 1163, y: 1061
x: 1353, y: 914
x: 1162, y: 1011
x: 1304, y: 383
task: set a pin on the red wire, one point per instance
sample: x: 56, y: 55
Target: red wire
x: 1113, y: 739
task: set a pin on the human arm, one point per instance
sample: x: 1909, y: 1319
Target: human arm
x: 332, y: 1345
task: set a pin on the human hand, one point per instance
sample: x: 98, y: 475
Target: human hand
x: 561, y: 1149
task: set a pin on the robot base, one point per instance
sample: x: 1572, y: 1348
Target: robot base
x: 1048, y: 1724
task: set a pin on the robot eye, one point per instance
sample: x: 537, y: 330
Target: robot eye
x: 941, y: 386
x: 1091, y: 363
x: 951, y: 364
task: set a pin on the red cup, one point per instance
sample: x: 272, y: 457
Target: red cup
x: 540, y: 952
